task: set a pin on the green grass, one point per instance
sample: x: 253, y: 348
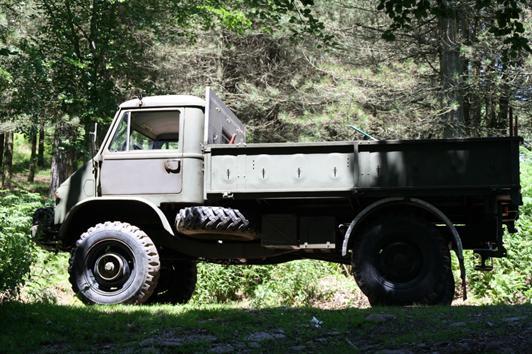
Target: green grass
x: 52, y: 328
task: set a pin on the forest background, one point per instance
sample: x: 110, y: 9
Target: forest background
x: 291, y: 71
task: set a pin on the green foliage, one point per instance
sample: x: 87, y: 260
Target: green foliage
x: 235, y: 20
x: 5, y: 76
x: 48, y: 279
x: 16, y: 247
x: 295, y: 283
x: 508, y: 15
x: 227, y: 283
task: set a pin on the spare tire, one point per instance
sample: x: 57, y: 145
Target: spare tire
x: 213, y: 222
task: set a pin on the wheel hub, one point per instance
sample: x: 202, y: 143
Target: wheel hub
x: 109, y: 267
x: 400, y: 261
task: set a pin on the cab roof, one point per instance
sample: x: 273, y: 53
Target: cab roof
x: 164, y: 101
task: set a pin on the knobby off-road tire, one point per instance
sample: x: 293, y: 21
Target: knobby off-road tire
x: 402, y: 260
x: 114, y: 263
x: 177, y: 283
x: 204, y: 219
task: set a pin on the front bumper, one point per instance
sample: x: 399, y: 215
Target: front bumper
x: 43, y: 230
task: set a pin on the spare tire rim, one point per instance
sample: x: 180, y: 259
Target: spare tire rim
x: 400, y: 261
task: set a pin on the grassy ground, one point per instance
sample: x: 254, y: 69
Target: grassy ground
x: 217, y: 328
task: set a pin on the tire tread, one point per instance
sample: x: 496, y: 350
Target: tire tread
x: 213, y: 219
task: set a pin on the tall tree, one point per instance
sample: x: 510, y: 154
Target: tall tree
x: 33, y: 154
x: 7, y: 176
x: 2, y: 141
x: 40, y: 146
x: 502, y: 18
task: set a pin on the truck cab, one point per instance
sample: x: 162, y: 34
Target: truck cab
x: 154, y: 150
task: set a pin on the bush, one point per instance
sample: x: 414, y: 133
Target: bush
x: 227, y: 283
x: 16, y: 209
x: 295, y: 283
x: 47, y: 281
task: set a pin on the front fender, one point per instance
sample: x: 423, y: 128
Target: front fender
x: 91, y: 211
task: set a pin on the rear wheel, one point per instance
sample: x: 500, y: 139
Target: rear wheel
x: 402, y: 260
x: 114, y: 263
x: 176, y: 283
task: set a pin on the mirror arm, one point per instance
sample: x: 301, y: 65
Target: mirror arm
x: 94, y: 134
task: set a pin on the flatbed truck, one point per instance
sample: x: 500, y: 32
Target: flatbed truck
x: 175, y: 182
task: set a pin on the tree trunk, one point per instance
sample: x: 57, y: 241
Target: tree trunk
x: 467, y: 117
x: 40, y: 153
x: 475, y: 108
x: 59, y: 169
x: 504, y: 102
x: 33, y: 157
x: 8, y: 161
x: 466, y: 100
x: 491, y: 114
x: 2, y: 138
x: 221, y: 59
x: 451, y: 70
x: 513, y: 128
x: 72, y: 158
x: 502, y: 120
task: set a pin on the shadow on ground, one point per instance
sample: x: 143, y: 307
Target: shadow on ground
x: 230, y: 329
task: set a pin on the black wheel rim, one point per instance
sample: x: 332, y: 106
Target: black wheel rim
x: 400, y: 261
x: 109, y: 266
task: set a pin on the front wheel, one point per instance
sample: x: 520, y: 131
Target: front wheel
x: 114, y: 263
x: 402, y: 260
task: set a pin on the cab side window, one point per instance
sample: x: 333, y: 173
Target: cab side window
x: 146, y: 130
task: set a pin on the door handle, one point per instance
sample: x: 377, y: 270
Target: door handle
x: 172, y: 166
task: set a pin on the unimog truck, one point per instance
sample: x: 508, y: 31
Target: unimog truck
x: 175, y: 183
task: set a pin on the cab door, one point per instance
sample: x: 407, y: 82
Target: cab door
x: 142, y: 157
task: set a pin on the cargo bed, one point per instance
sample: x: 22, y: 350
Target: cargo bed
x: 441, y: 166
